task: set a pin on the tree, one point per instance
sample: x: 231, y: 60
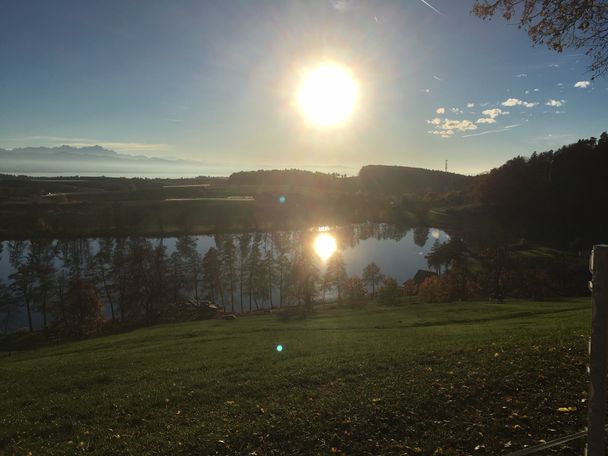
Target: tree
x: 389, y: 293
x: 354, y: 290
x: 432, y: 289
x: 253, y: 272
x: 282, y: 244
x: 191, y: 262
x: 22, y: 280
x: 42, y: 256
x: 159, y: 288
x: 84, y: 309
x: 304, y: 278
x: 336, y: 270
x: 212, y: 283
x: 227, y: 256
x: 372, y: 276
x: 5, y: 304
x: 244, y: 241
x: 558, y: 24
x: 103, y: 260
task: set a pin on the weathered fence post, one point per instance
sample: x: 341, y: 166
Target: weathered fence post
x: 599, y: 351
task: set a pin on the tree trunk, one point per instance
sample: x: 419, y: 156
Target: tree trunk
x: 29, y: 314
x: 44, y: 312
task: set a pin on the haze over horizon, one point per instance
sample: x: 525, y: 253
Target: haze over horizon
x: 215, y: 83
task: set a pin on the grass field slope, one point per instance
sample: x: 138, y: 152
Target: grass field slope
x: 451, y: 379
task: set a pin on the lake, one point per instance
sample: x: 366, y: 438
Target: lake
x: 398, y: 251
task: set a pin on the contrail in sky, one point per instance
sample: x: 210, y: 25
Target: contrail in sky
x: 432, y: 7
x: 507, y: 128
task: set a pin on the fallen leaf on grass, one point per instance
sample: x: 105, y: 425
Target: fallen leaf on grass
x: 566, y: 409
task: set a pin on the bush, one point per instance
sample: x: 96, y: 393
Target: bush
x: 433, y: 289
x: 390, y: 292
x: 83, y: 316
x: 410, y: 288
x: 294, y: 313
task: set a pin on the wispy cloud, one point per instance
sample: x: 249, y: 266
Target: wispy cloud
x: 342, y: 5
x: 521, y: 75
x: 470, y: 105
x: 440, y: 110
x: 582, y: 84
x: 432, y: 7
x: 437, y: 78
x: 487, y: 132
x: 555, y: 103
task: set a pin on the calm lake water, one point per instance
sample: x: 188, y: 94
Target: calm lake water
x: 398, y: 251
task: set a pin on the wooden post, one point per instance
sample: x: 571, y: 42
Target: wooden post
x: 599, y: 351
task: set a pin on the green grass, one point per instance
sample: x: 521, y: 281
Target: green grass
x: 417, y: 379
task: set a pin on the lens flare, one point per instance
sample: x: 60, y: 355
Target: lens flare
x: 328, y: 94
x: 279, y: 348
x: 325, y: 246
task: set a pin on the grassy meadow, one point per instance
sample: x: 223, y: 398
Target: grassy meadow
x: 428, y: 379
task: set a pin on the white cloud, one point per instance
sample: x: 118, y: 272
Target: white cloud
x: 437, y: 78
x: 537, y: 90
x: 440, y: 110
x: 426, y: 90
x: 582, y: 84
x: 447, y: 127
x: 470, y: 105
x: 455, y: 110
x: 518, y: 102
x: 493, y: 113
x: 560, y: 84
x: 521, y: 75
x: 555, y: 103
x: 442, y: 134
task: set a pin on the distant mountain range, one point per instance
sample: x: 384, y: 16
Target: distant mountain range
x: 89, y: 160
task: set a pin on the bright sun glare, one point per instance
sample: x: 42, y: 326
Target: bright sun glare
x: 328, y: 94
x: 325, y: 245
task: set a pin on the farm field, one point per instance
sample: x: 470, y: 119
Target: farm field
x: 429, y: 379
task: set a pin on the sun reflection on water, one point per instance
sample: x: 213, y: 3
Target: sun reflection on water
x: 325, y: 245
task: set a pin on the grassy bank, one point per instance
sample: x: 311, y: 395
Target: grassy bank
x: 456, y: 378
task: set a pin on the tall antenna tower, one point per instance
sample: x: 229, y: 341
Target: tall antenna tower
x: 446, y: 166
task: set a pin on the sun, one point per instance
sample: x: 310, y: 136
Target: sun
x: 328, y: 94
x: 325, y: 246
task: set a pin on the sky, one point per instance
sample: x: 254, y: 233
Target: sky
x: 215, y: 82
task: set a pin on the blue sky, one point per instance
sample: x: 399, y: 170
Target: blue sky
x: 215, y: 82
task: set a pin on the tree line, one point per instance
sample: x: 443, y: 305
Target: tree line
x: 82, y: 285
